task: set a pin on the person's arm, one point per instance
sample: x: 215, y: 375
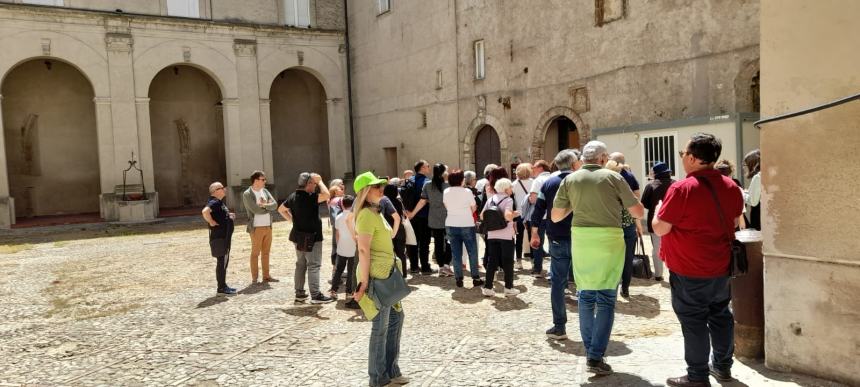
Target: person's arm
x: 207, y: 216
x: 637, y: 211
x: 558, y: 214
x: 396, y: 227
x: 754, y: 193
x: 533, y: 196
x: 285, y: 212
x: 418, y: 207
x: 510, y: 213
x: 661, y: 227
x: 363, y: 265
x: 336, y: 236
x: 324, y: 195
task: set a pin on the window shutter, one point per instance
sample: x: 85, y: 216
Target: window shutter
x: 290, y: 12
x: 303, y: 16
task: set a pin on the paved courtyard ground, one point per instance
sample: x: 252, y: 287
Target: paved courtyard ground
x: 113, y: 305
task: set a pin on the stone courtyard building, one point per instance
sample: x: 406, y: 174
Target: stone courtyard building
x: 195, y: 90
x: 470, y: 82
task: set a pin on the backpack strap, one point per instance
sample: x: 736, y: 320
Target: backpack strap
x: 710, y: 187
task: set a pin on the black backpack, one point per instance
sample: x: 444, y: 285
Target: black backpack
x: 493, y: 217
x: 409, y: 194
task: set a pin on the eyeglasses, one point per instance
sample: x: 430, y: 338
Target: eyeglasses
x: 262, y: 179
x: 681, y: 154
x: 219, y: 188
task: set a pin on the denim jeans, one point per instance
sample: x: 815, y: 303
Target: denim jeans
x: 538, y: 253
x: 630, y: 239
x: 349, y: 264
x: 596, y: 315
x: 459, y: 236
x: 655, y: 255
x: 385, y: 346
x: 308, y: 262
x: 560, y: 266
x: 702, y: 307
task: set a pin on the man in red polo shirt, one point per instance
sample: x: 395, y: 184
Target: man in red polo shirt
x: 696, y: 248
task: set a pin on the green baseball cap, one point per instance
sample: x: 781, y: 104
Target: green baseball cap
x: 366, y: 179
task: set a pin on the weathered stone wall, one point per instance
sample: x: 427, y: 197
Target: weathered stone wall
x: 809, y: 210
x: 658, y: 61
x: 247, y: 11
x: 328, y: 15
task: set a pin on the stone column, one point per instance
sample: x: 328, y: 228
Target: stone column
x: 122, y: 105
x: 252, y: 152
x: 233, y: 142
x: 104, y: 128
x: 266, y: 128
x: 144, y: 135
x: 7, y: 208
x: 338, y: 137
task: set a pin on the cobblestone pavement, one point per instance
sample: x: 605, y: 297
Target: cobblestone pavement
x: 112, y: 305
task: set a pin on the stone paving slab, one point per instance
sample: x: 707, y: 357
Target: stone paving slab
x: 103, y: 305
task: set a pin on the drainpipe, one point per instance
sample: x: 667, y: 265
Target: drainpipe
x: 349, y: 89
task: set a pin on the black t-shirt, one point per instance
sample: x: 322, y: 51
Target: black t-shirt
x: 305, y: 208
x: 221, y: 215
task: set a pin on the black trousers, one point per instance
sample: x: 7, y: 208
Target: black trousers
x: 441, y: 248
x: 400, y: 250
x: 522, y: 230
x: 420, y: 252
x: 221, y: 271
x: 702, y: 307
x: 348, y: 263
x: 500, y: 252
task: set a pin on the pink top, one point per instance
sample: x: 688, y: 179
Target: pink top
x: 505, y: 203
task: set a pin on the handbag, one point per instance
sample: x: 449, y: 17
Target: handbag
x: 738, y: 262
x: 386, y: 292
x: 411, y: 240
x: 641, y: 262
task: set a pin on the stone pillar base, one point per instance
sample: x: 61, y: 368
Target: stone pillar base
x: 114, y: 209
x: 7, y: 212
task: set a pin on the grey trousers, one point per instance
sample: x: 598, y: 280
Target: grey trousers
x: 309, y: 262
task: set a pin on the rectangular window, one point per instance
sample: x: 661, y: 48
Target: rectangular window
x: 659, y: 148
x: 297, y: 13
x: 479, y: 60
x: 383, y: 6
x: 183, y: 8
x: 57, y: 3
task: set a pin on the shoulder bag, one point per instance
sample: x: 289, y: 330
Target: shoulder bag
x: 388, y: 291
x: 738, y: 263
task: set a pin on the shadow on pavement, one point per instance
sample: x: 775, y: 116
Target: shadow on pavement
x: 573, y: 347
x: 305, y: 311
x: 619, y: 379
x: 639, y: 305
x: 214, y: 300
x: 444, y: 283
x: 467, y: 295
x: 255, y: 288
x: 505, y: 304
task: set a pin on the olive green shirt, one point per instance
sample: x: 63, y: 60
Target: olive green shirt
x: 596, y: 196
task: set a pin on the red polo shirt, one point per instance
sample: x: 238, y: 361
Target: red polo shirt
x: 698, y: 244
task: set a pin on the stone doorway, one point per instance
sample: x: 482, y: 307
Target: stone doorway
x: 488, y: 149
x: 299, y: 117
x: 51, y: 139
x: 186, y: 120
x: 561, y: 134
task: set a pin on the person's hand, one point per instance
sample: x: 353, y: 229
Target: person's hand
x: 316, y: 178
x: 658, y: 206
x: 213, y: 224
x: 409, y: 215
x: 233, y: 215
x: 516, y: 213
x: 359, y: 293
x: 535, y: 242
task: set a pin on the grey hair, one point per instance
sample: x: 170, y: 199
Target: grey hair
x: 394, y: 181
x: 304, y: 178
x: 592, y: 151
x: 335, y: 182
x: 214, y: 187
x: 566, y: 158
x: 503, y: 185
x: 489, y: 168
x: 469, y: 176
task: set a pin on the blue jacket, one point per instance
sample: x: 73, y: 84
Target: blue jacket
x: 556, y: 231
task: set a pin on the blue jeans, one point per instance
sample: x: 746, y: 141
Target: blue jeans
x: 596, y: 315
x: 385, y: 346
x: 559, y: 251
x: 702, y: 307
x: 538, y: 253
x: 630, y: 238
x: 459, y: 236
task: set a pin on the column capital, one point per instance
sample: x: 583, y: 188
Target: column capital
x: 230, y: 102
x: 334, y: 100
x: 102, y: 100
x: 118, y: 42
x: 141, y: 100
x: 265, y: 101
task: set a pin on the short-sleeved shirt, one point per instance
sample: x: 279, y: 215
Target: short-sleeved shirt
x: 630, y: 179
x: 305, y: 209
x: 505, y: 203
x: 596, y: 196
x: 698, y: 244
x: 538, y: 182
x: 221, y: 215
x: 434, y: 197
x: 521, y: 190
x: 459, y: 201
x: 345, y: 243
x: 370, y: 222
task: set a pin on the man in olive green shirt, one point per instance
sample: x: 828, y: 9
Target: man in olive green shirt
x: 596, y: 197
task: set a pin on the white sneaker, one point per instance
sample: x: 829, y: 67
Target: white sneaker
x: 519, y: 265
x: 511, y: 292
x: 488, y: 292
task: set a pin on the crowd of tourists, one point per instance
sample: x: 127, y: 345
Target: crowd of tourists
x: 584, y: 212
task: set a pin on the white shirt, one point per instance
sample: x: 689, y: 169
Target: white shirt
x: 261, y: 220
x: 538, y: 182
x: 521, y: 191
x: 481, y: 184
x: 459, y: 201
x: 345, y: 243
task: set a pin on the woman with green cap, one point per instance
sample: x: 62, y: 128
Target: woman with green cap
x: 375, y: 260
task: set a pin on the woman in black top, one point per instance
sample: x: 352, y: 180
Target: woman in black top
x: 392, y: 210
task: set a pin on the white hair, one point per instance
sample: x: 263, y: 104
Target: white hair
x: 489, y: 168
x: 566, y: 158
x: 214, y: 187
x: 592, y: 151
x: 502, y: 185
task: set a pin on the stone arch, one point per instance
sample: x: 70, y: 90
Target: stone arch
x: 321, y: 66
x: 220, y: 67
x: 468, y: 142
x: 744, y: 98
x: 25, y: 46
x: 537, y: 148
